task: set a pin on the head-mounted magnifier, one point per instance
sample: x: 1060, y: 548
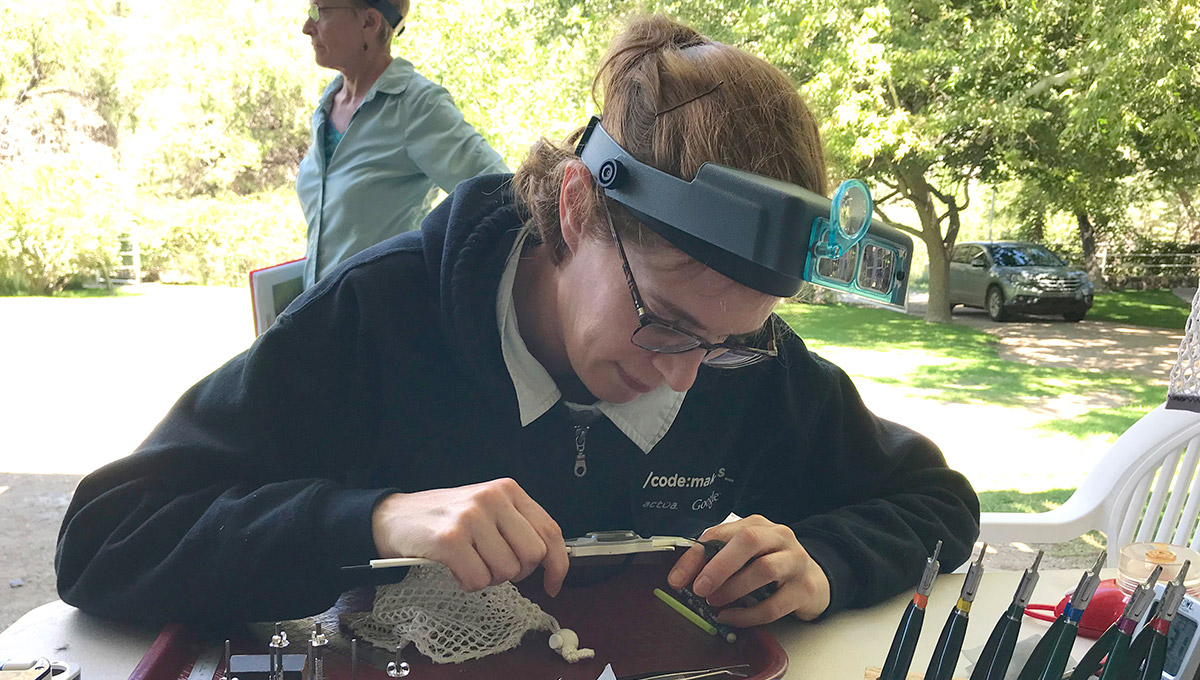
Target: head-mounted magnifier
x: 764, y: 233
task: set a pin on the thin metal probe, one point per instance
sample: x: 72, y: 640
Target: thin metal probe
x: 904, y: 643
x: 949, y: 644
x: 998, y: 650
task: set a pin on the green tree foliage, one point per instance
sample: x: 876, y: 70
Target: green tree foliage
x: 1105, y: 125
x: 1087, y: 109
x: 62, y: 196
x: 227, y: 108
x: 59, y: 217
x: 108, y: 105
x: 927, y: 97
x: 212, y: 240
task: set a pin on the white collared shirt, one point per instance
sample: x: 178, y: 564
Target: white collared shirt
x: 644, y: 420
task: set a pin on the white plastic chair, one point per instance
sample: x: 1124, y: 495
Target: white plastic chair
x: 1116, y: 496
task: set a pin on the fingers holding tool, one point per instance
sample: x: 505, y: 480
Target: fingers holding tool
x: 757, y: 558
x: 485, y: 533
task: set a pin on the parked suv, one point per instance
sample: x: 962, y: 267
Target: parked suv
x: 1012, y: 276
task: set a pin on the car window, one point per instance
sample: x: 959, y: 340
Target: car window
x: 1025, y: 255
x: 962, y: 254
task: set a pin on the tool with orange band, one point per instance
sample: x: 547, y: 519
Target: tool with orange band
x: 900, y: 655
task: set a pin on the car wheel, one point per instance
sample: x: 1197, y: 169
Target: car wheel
x: 1074, y: 316
x: 950, y: 308
x: 995, y: 304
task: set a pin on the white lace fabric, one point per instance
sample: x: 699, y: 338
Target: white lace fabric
x: 1183, y: 391
x: 449, y: 625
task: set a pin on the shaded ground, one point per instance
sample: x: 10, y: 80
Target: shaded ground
x: 1086, y: 345
x: 86, y: 380
x: 31, y: 508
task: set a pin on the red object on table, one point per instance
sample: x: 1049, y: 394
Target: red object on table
x: 1103, y: 610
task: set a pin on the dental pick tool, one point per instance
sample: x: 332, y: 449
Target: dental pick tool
x: 1113, y: 645
x: 998, y: 650
x: 1148, y: 652
x: 900, y: 656
x: 1049, y: 658
x: 949, y: 644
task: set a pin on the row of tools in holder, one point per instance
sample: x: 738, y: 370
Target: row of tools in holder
x: 1123, y: 652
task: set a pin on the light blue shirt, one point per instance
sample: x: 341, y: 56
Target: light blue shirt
x: 406, y: 140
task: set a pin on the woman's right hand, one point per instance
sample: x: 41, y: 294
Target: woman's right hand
x: 486, y: 533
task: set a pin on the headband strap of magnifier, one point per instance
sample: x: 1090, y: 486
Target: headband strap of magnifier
x: 754, y: 229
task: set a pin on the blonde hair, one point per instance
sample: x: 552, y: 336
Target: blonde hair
x: 675, y: 100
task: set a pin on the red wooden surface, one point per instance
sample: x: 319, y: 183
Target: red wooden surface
x: 619, y: 617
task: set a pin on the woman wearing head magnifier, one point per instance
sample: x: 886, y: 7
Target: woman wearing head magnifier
x: 588, y: 345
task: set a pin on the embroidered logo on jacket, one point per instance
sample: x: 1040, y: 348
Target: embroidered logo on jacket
x: 677, y: 481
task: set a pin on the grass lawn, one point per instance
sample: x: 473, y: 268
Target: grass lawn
x: 1154, y: 308
x: 153, y: 343
x: 950, y: 364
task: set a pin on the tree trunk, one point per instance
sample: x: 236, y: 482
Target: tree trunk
x: 1190, y: 220
x: 1087, y: 239
x: 1037, y: 227
x: 914, y: 187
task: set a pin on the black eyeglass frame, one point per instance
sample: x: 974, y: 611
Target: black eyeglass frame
x: 748, y: 355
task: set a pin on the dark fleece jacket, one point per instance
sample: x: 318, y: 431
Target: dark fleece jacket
x: 387, y: 376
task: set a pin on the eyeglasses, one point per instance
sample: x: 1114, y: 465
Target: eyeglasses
x: 663, y: 337
x: 314, y: 11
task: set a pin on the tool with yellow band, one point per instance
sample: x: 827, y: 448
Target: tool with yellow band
x: 949, y: 644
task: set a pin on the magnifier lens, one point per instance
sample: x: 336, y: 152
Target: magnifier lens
x: 852, y: 211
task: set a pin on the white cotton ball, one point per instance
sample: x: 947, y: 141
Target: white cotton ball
x: 565, y: 640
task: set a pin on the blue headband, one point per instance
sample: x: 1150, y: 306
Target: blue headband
x: 388, y: 10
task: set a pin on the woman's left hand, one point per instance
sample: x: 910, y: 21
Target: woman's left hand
x: 757, y: 552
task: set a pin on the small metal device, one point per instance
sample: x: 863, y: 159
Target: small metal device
x: 37, y: 669
x: 317, y: 643
x: 591, y: 544
x: 32, y: 669
x: 398, y: 668
x: 623, y: 542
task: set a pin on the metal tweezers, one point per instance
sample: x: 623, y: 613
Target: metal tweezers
x: 589, y: 545
x: 729, y: 671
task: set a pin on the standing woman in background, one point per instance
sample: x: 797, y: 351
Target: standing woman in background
x: 384, y: 138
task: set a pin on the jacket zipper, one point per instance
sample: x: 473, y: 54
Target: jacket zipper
x: 581, y: 450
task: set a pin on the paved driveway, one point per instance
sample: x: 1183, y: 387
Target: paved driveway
x: 1088, y: 345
